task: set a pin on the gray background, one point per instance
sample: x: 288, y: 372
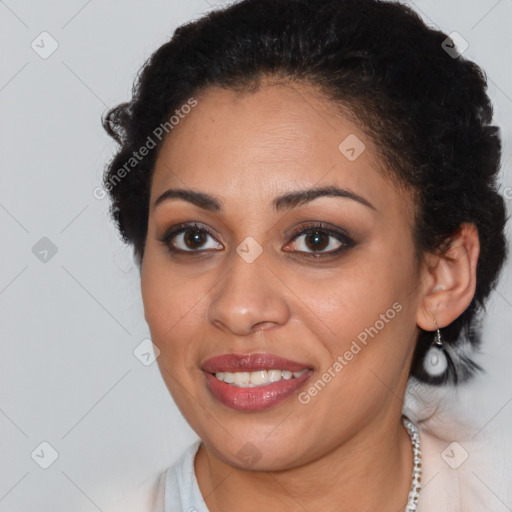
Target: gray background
x: 68, y: 374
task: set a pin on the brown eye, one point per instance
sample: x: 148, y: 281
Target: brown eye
x: 317, y: 240
x: 189, y: 238
x: 320, y: 239
x: 194, y: 239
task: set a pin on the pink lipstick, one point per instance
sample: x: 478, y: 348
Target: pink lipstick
x: 252, y: 382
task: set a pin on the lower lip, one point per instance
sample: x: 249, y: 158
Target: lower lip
x: 257, y: 397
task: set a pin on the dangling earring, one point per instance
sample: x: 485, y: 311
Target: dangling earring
x: 436, y: 362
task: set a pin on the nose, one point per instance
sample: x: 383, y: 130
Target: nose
x: 250, y: 298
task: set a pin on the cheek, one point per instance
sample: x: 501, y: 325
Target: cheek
x: 172, y: 304
x: 370, y: 315
x: 354, y: 297
x: 172, y: 309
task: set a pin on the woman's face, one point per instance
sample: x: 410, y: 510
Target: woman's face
x: 250, y: 279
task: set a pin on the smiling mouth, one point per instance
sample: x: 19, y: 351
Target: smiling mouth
x: 257, y: 378
x: 253, y: 382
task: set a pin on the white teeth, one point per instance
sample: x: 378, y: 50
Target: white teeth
x: 241, y: 378
x: 274, y: 375
x: 228, y: 377
x: 257, y: 378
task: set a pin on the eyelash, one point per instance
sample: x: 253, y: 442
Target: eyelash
x: 346, y: 241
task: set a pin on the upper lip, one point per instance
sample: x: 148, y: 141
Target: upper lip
x: 251, y: 363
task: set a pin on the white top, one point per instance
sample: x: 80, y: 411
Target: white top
x: 464, y: 470
x: 181, y: 487
x: 454, y: 480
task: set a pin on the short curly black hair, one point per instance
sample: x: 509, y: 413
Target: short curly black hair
x: 426, y: 109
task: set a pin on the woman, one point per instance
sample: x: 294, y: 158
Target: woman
x: 310, y: 190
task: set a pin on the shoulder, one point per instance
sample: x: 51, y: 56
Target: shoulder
x: 173, y: 490
x: 181, y: 490
x: 458, y: 475
x: 442, y: 466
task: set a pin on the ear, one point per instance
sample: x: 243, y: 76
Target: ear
x: 449, y: 280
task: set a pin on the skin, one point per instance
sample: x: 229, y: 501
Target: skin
x: 346, y: 449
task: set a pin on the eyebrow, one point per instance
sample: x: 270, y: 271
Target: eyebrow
x: 283, y: 202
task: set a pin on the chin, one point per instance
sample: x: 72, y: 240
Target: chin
x: 258, y: 448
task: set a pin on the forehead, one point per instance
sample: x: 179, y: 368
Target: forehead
x: 260, y: 143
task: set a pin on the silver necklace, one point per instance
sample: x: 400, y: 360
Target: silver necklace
x: 414, y: 492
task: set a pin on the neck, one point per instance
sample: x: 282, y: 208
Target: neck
x: 370, y: 471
